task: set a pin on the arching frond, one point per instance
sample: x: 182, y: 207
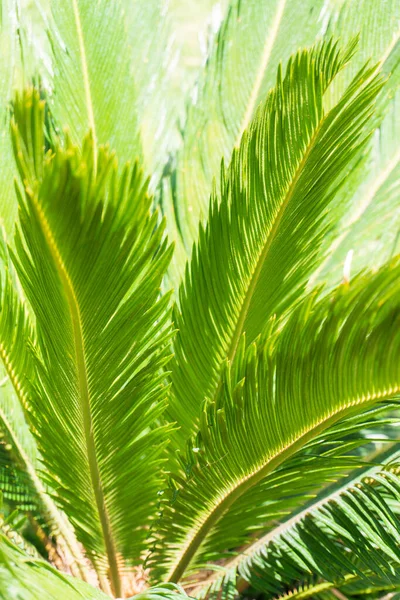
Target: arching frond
x: 254, y: 38
x: 240, y: 71
x: 344, y: 521
x: 90, y: 259
x: 262, y: 239
x: 93, y: 84
x: 367, y: 233
x: 333, y: 358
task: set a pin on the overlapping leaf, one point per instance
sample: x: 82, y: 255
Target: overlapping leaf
x: 21, y: 481
x: 254, y: 37
x: 344, y: 521
x: 332, y: 359
x: 367, y: 233
x: 27, y: 578
x: 92, y: 79
x: 263, y: 236
x: 90, y: 259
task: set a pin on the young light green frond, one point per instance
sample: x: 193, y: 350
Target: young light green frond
x: 286, y: 555
x: 28, y: 578
x: 333, y: 359
x: 255, y: 36
x: 262, y: 239
x: 92, y: 83
x: 160, y: 99
x: 91, y: 258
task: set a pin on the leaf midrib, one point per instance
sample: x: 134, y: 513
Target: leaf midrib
x: 84, y: 397
x: 86, y: 78
x: 178, y: 572
x: 198, y: 535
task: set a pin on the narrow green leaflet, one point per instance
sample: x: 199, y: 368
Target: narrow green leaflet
x: 91, y: 258
x: 332, y: 360
x: 263, y: 235
x: 23, y: 577
x: 93, y: 83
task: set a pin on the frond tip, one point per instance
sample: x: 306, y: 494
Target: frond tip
x: 261, y: 243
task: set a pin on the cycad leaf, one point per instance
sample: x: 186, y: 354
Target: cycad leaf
x: 332, y: 359
x: 262, y: 239
x: 93, y: 85
x: 239, y: 73
x: 90, y: 259
x: 254, y: 37
x: 367, y: 233
x: 295, y: 551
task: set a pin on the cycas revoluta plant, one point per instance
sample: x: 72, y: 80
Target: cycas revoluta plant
x: 225, y: 428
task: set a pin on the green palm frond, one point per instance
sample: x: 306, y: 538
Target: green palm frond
x: 344, y: 522
x: 19, y: 456
x: 333, y: 358
x: 25, y: 577
x: 240, y: 71
x: 15, y: 485
x: 262, y: 239
x: 254, y: 38
x: 114, y: 64
x: 367, y: 234
x: 91, y: 259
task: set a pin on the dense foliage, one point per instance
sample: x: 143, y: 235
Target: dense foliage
x: 199, y: 361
